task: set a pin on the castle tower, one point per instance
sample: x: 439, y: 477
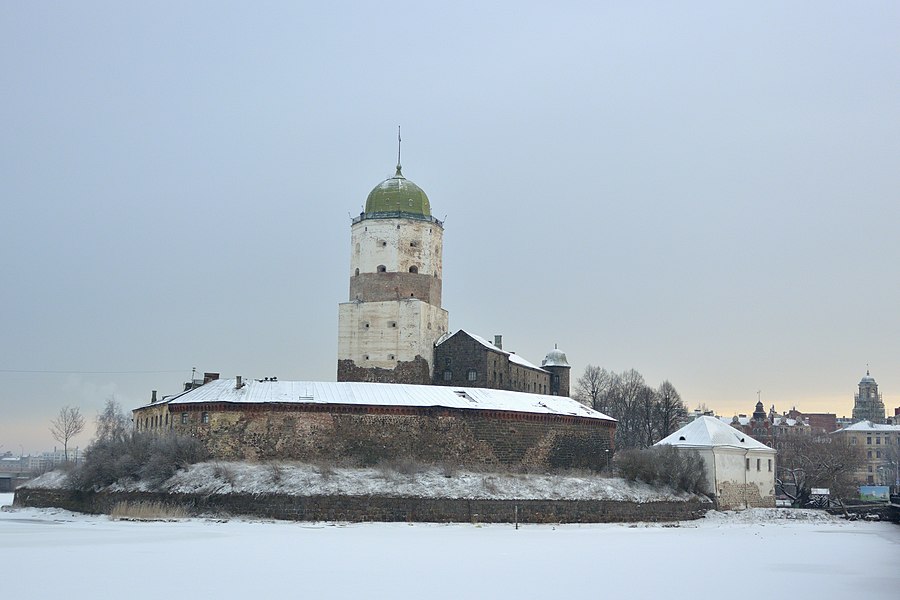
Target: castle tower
x: 559, y: 368
x: 867, y: 404
x: 387, y: 329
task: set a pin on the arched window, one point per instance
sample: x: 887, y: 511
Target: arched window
x: 414, y: 269
x: 382, y: 269
x: 357, y: 272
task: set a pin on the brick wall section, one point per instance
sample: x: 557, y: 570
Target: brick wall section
x: 366, y: 435
x: 414, y: 371
x: 382, y: 287
x: 374, y: 508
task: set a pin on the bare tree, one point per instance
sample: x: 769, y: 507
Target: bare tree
x: 805, y: 462
x: 112, y: 422
x: 592, y: 388
x: 670, y: 409
x: 67, y: 424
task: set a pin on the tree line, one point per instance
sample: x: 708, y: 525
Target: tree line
x: 645, y: 414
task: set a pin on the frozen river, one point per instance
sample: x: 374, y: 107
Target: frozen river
x: 56, y: 554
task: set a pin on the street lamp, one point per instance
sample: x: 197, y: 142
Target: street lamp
x: 607, y: 458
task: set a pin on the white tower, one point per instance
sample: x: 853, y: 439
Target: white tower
x: 387, y: 330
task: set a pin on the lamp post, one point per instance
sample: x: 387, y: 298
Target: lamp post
x: 607, y: 458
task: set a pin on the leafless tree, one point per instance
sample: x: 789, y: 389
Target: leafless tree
x: 805, y: 462
x: 592, y: 388
x: 112, y: 422
x: 670, y: 409
x: 67, y: 424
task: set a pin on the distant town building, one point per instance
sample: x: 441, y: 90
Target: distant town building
x: 867, y: 403
x: 881, y: 444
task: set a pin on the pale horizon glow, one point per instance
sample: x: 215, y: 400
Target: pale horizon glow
x: 705, y: 193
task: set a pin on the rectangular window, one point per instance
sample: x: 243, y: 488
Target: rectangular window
x: 204, y: 418
x: 853, y: 441
x: 878, y: 454
x: 770, y: 465
x: 472, y: 375
x: 448, y: 375
x: 869, y: 440
x: 184, y: 418
x: 758, y: 464
x: 869, y: 454
x: 878, y: 441
x: 748, y: 464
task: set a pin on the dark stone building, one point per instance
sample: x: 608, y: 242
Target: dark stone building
x: 465, y: 359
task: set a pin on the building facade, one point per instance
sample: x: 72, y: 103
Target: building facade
x: 388, y: 327
x: 881, y: 447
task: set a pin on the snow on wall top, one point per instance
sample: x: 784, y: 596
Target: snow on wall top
x: 711, y: 432
x: 384, y: 394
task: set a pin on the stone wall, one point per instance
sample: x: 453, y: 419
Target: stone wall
x: 416, y: 371
x: 733, y: 496
x: 374, y: 508
x: 382, y: 287
x: 366, y: 435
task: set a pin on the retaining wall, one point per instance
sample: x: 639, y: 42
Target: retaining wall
x: 372, y: 508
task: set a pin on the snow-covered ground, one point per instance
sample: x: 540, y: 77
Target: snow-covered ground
x: 775, y: 553
x: 415, y: 481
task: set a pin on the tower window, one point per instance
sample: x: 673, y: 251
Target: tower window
x: 357, y: 272
x: 414, y: 244
x: 390, y: 357
x: 383, y: 244
x: 382, y: 269
x: 393, y: 323
x: 414, y: 269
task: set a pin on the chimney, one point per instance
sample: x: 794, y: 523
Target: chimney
x: 238, y: 384
x: 498, y: 341
x: 207, y: 377
x: 152, y: 396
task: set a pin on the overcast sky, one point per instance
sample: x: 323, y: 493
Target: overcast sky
x: 706, y: 192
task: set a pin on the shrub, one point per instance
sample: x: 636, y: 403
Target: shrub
x: 663, y: 466
x: 136, y: 457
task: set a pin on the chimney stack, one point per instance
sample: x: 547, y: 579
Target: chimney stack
x: 152, y: 396
x: 238, y: 383
x: 498, y: 341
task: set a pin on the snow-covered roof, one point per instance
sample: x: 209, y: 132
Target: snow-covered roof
x: 870, y: 426
x: 708, y: 432
x: 384, y: 394
x: 513, y: 357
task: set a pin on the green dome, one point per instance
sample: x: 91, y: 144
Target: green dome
x: 398, y: 194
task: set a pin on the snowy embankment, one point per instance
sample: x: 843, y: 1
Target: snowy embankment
x: 313, y: 480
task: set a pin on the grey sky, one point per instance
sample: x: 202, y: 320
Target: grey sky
x: 706, y: 192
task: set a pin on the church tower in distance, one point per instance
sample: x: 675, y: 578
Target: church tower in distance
x: 387, y: 329
x: 868, y: 404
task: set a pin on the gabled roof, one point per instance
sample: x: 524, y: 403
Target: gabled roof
x: 383, y: 394
x: 513, y: 357
x: 710, y: 432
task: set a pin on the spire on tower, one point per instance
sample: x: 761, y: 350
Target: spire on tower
x: 398, y: 151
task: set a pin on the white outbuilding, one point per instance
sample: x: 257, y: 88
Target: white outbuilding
x: 740, y: 471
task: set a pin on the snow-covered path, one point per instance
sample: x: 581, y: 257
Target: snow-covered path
x: 49, y: 553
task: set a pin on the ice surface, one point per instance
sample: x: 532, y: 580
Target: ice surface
x: 49, y: 553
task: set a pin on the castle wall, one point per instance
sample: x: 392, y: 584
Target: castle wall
x: 368, y: 434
